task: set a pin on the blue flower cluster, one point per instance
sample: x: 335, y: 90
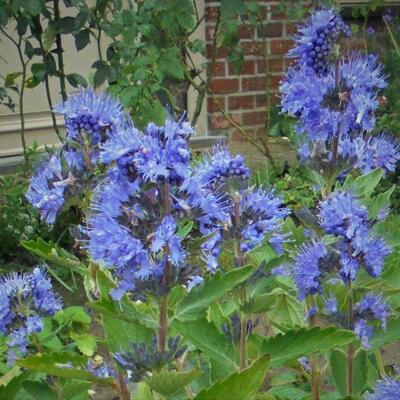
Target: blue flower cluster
x: 261, y: 211
x: 370, y: 308
x: 89, y: 119
x: 24, y: 300
x: 47, y: 188
x: 342, y: 215
x: 136, y: 212
x: 90, y: 116
x: 386, y: 389
x: 337, y: 108
x: 159, y: 154
x: 315, y: 40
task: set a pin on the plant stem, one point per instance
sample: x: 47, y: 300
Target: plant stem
x: 315, y: 374
x: 379, y: 363
x: 60, y: 50
x: 240, y: 261
x: 350, y: 349
x: 163, y: 318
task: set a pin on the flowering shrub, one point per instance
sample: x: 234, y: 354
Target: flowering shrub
x: 182, y: 260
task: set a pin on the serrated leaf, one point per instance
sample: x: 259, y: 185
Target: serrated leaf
x: 54, y: 254
x: 58, y: 364
x: 10, y: 375
x: 73, y: 313
x: 338, y: 363
x: 297, y: 343
x: 241, y: 385
x: 86, y: 343
x: 168, y: 382
x: 364, y: 185
x: 200, y: 297
x: 379, y: 203
x: 206, y: 337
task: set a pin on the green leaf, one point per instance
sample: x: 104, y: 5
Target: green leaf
x: 10, y: 375
x: 86, y: 343
x: 57, y: 364
x: 200, y: 297
x: 38, y: 71
x: 338, y: 363
x: 66, y: 25
x: 389, y: 335
x: 73, y: 314
x: 39, y: 390
x: 185, y: 229
x: 76, y: 80
x: 48, y: 38
x: 230, y: 8
x: 168, y: 382
x: 364, y: 185
x: 297, y: 343
x: 10, y: 78
x: 286, y: 312
x: 54, y: 254
x: 170, y: 63
x: 206, y: 337
x: 287, y: 392
x: 241, y: 384
x: 143, y: 392
x: 379, y: 203
x: 82, y: 39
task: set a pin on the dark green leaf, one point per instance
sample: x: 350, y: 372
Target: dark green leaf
x: 200, y: 297
x: 206, y: 337
x: 297, y: 343
x: 57, y: 364
x: 39, y: 390
x: 76, y: 80
x: 48, y: 37
x: 389, y: 335
x: 170, y: 382
x: 28, y: 49
x: 38, y: 71
x: 240, y: 385
x: 171, y: 64
x: 66, y: 25
x: 82, y: 39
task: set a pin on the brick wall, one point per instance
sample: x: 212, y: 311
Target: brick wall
x: 244, y: 96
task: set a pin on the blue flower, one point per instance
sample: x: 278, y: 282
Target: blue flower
x: 47, y: 187
x: 220, y: 167
x: 25, y: 299
x: 331, y: 306
x: 386, y: 389
x: 342, y: 214
x: 91, y: 113
x: 380, y: 151
x: 166, y: 235
x: 307, y: 270
x: 315, y: 40
x: 363, y: 331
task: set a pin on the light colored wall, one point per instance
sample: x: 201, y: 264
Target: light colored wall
x: 37, y: 115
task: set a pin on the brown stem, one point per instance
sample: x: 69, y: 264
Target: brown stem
x: 350, y: 349
x: 163, y: 318
x: 60, y: 56
x: 122, y: 388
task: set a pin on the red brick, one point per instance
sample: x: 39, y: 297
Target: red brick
x: 248, y: 68
x: 292, y: 28
x: 220, y: 52
x: 220, y: 122
x: 222, y: 86
x: 274, y: 82
x: 261, y: 100
x: 254, y: 118
x: 215, y: 104
x: 260, y: 132
x: 281, y: 46
x: 274, y: 29
x: 274, y: 65
x: 252, y: 48
x: 246, y: 31
x: 212, y: 13
x: 218, y: 69
x: 288, y: 62
x: 241, y: 102
x: 256, y: 83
